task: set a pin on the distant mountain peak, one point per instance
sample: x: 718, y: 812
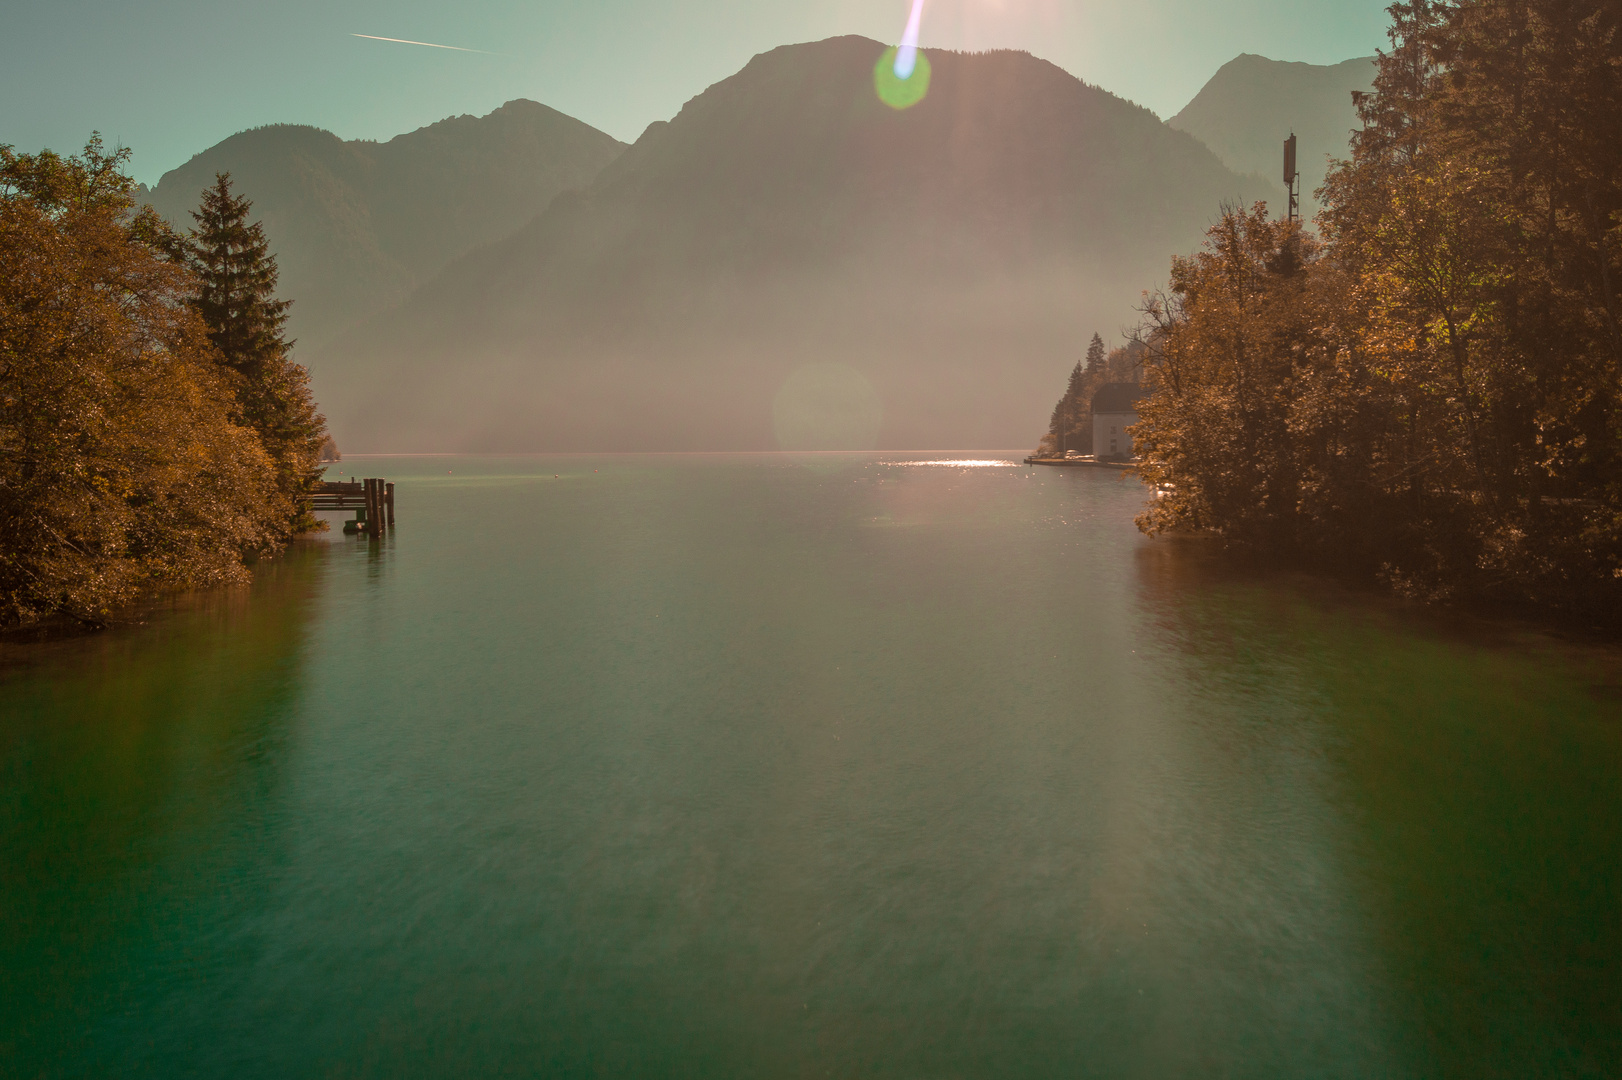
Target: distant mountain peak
x: 956, y: 256
x: 357, y: 224
x: 1253, y: 103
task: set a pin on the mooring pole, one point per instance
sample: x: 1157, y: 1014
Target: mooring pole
x: 389, y: 499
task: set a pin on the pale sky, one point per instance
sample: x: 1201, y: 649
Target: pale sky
x: 170, y: 78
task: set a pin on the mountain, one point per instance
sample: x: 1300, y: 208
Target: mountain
x: 790, y: 262
x: 357, y: 225
x: 1252, y: 104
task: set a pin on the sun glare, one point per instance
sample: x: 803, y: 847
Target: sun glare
x: 965, y: 463
x: 907, y: 55
x: 901, y: 76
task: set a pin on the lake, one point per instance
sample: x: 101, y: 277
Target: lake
x: 772, y: 766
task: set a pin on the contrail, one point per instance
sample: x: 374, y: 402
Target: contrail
x: 430, y: 44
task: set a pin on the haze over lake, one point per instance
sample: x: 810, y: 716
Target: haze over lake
x: 733, y: 765
x: 501, y: 572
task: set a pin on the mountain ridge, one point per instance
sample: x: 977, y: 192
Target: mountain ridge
x: 357, y: 224
x: 1245, y: 111
x: 955, y: 257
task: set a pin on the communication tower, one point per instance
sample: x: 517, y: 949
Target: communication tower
x: 1292, y: 180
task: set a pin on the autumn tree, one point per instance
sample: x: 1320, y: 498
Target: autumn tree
x: 1225, y: 341
x: 1477, y: 213
x: 236, y: 298
x: 122, y: 468
x: 1434, y: 394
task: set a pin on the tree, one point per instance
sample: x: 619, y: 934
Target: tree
x: 236, y: 299
x: 122, y: 469
x: 1434, y: 394
x: 1224, y: 347
x: 1071, y: 425
x: 1096, y: 355
x: 1478, y: 211
x: 1071, y: 415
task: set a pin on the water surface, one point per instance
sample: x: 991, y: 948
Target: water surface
x: 838, y: 766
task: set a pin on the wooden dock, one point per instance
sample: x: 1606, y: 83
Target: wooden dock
x: 1087, y: 462
x: 372, y: 500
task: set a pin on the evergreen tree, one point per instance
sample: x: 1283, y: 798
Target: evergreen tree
x: 122, y: 466
x: 1071, y: 426
x: 1095, y: 355
x: 237, y: 301
x: 1069, y: 414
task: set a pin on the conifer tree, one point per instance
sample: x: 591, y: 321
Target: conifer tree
x: 1095, y: 355
x: 237, y: 301
x: 123, y: 469
x: 1069, y: 412
x: 1071, y: 427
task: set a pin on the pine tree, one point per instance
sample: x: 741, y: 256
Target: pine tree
x: 123, y: 468
x: 237, y: 301
x: 1071, y: 426
x: 1068, y: 412
x: 1095, y: 355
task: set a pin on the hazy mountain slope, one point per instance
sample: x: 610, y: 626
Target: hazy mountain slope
x: 357, y: 225
x: 952, y: 259
x: 1252, y: 104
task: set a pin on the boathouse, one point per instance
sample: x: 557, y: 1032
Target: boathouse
x: 1115, y: 408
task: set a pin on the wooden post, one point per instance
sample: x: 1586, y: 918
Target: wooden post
x: 374, y: 520
x: 389, y: 498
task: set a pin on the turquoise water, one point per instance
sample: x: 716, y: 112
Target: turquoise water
x: 836, y: 766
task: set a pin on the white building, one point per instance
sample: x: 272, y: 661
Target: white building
x: 1115, y: 408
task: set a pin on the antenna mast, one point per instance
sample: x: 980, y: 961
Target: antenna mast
x: 1292, y: 180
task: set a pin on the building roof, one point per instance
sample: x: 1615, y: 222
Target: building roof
x: 1118, y: 397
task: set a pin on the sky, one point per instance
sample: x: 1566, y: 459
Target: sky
x: 169, y: 78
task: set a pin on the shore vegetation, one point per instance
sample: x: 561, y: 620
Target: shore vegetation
x: 1429, y: 390
x: 135, y: 455
x: 1071, y: 426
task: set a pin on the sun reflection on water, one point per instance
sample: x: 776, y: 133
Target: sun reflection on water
x: 966, y: 463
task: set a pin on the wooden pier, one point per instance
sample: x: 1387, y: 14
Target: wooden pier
x: 372, y: 500
x: 1088, y: 462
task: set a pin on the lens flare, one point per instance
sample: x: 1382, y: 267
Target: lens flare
x: 894, y: 91
x: 901, y: 77
x: 907, y: 55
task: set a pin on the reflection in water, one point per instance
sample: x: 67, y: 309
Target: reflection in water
x: 141, y: 773
x: 1475, y: 776
x: 789, y: 765
x: 966, y: 463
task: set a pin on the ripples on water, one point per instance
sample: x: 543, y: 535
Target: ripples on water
x: 803, y: 766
